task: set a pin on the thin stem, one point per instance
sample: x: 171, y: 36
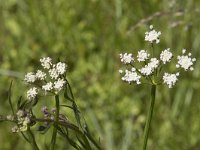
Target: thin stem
x: 74, y: 106
x: 76, y: 112
x: 33, y: 141
x: 67, y: 125
x: 24, y: 136
x: 152, y: 49
x: 53, y: 140
x: 149, y: 116
x: 70, y: 89
x: 62, y: 123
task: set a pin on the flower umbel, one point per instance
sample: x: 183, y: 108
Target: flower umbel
x: 32, y: 93
x: 185, y: 61
x: 61, y: 68
x: 131, y: 76
x: 40, y: 75
x: 170, y: 79
x: 59, y: 84
x: 30, y: 77
x: 53, y: 73
x: 151, y: 69
x: 152, y: 35
x: 166, y: 56
x: 51, y: 81
x: 126, y: 58
x: 46, y: 62
x: 142, y: 55
x: 22, y: 120
x: 51, y: 78
x: 48, y: 87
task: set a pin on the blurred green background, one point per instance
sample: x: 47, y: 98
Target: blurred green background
x: 89, y: 35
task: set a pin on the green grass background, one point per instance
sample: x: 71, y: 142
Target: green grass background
x: 89, y: 35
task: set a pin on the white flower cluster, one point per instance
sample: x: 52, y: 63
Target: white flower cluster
x: 166, y: 56
x: 152, y: 66
x: 170, y: 79
x: 126, y: 58
x: 40, y: 75
x: 131, y: 76
x: 142, y: 55
x: 59, y: 84
x: 50, y: 78
x: 23, y: 120
x: 48, y: 87
x: 32, y: 93
x: 46, y: 62
x: 152, y: 35
x: 30, y: 77
x: 185, y: 61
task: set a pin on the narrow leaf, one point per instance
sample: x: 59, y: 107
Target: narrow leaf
x: 9, y: 98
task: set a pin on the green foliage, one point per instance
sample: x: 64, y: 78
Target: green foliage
x: 89, y: 35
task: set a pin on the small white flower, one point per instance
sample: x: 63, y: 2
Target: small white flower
x: 61, y: 68
x: 151, y: 27
x: 185, y: 61
x: 170, y: 79
x: 59, y: 84
x: 20, y: 113
x: 23, y: 127
x: 32, y: 93
x: 183, y: 51
x: 131, y: 76
x: 126, y: 58
x: 46, y: 62
x: 15, y: 129
x: 133, y: 69
x: 40, y: 75
x: 146, y: 70
x: 166, y: 56
x: 154, y: 62
x: 10, y: 117
x: 53, y: 73
x: 30, y: 77
x: 152, y: 36
x: 191, y: 68
x: 142, y: 55
x: 26, y: 121
x: 121, y: 71
x: 48, y: 86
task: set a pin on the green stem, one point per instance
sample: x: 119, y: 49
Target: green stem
x: 149, y: 116
x: 33, y: 141
x: 152, y: 49
x: 53, y: 140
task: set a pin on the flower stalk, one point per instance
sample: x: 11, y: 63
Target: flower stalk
x: 33, y: 141
x: 53, y: 140
x: 149, y: 116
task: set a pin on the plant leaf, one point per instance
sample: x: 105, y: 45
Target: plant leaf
x: 9, y: 97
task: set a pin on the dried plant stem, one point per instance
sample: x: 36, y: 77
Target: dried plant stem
x: 53, y: 140
x: 149, y: 116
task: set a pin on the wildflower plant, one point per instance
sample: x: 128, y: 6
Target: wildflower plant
x: 149, y: 67
x: 51, y: 82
